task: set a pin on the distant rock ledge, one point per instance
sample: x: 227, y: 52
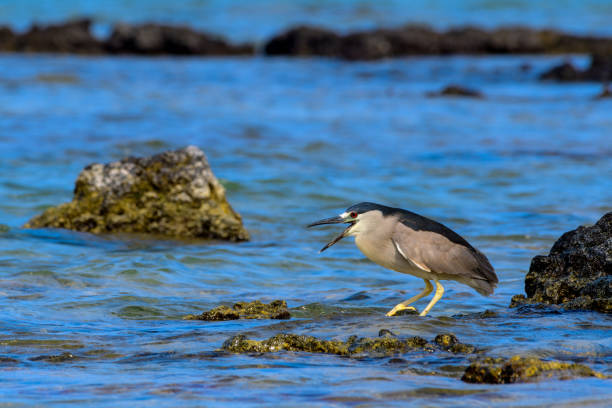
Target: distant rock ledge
x: 576, y: 274
x: 173, y: 193
x: 412, y: 39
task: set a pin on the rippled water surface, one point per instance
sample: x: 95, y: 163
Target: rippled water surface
x: 292, y: 141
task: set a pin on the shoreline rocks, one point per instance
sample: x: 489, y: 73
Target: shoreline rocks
x: 576, y: 274
x: 75, y: 36
x: 415, y: 39
x: 172, y: 193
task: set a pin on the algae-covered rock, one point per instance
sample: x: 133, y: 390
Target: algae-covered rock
x: 523, y: 369
x: 246, y: 310
x: 386, y: 344
x: 577, y: 273
x: 173, y: 193
x: 449, y: 342
x: 59, y: 358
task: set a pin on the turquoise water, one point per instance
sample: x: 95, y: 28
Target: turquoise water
x: 293, y: 141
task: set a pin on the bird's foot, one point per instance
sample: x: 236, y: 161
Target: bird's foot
x: 401, y: 308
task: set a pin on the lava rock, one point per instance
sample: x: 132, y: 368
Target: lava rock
x: 246, y: 310
x: 384, y: 345
x: 72, y: 37
x: 523, y: 369
x: 173, y: 193
x: 456, y: 90
x: 576, y: 274
x: 157, y: 39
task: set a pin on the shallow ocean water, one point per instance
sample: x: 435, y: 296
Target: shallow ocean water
x: 293, y: 141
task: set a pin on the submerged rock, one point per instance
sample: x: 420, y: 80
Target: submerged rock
x: 385, y: 344
x: 523, y: 369
x: 457, y: 90
x: 173, y: 193
x: 246, y: 310
x: 69, y: 37
x: 157, y: 39
x: 59, y: 358
x: 577, y: 273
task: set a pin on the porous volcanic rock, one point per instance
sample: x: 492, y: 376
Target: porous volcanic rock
x: 523, y: 369
x: 173, y: 193
x: 577, y: 273
x: 158, y: 39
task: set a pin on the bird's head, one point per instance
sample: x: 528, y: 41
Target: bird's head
x: 359, y: 217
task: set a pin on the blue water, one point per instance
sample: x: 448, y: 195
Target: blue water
x: 293, y: 141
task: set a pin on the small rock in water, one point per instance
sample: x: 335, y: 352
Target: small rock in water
x: 576, y: 274
x: 246, y: 310
x: 456, y: 90
x: 173, y: 193
x: 59, y: 358
x: 523, y: 369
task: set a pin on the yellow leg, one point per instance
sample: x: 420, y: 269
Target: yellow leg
x: 437, y: 296
x: 405, y: 303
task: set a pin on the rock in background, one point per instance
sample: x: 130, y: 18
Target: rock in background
x: 172, y: 193
x: 577, y: 273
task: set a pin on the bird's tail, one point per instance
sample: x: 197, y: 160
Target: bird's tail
x: 485, y: 280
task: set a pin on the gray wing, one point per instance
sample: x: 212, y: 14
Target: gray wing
x: 446, y: 259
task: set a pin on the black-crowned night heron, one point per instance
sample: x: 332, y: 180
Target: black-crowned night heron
x: 410, y: 243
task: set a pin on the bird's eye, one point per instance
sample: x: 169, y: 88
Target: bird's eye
x: 353, y: 214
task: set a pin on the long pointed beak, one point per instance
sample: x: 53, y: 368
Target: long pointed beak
x: 332, y: 220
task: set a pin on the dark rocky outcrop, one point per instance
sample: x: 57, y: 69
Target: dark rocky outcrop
x: 246, y: 310
x: 159, y: 39
x: 423, y: 40
x: 523, y: 369
x: 72, y: 37
x: 385, y: 344
x: 172, y: 193
x: 577, y: 273
x: 600, y: 70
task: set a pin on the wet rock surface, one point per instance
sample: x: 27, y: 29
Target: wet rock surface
x: 600, y: 69
x: 69, y: 37
x: 59, y: 358
x: 577, y: 273
x: 173, y: 194
x: 246, y: 310
x: 385, y: 344
x: 156, y: 39
x: 523, y: 369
